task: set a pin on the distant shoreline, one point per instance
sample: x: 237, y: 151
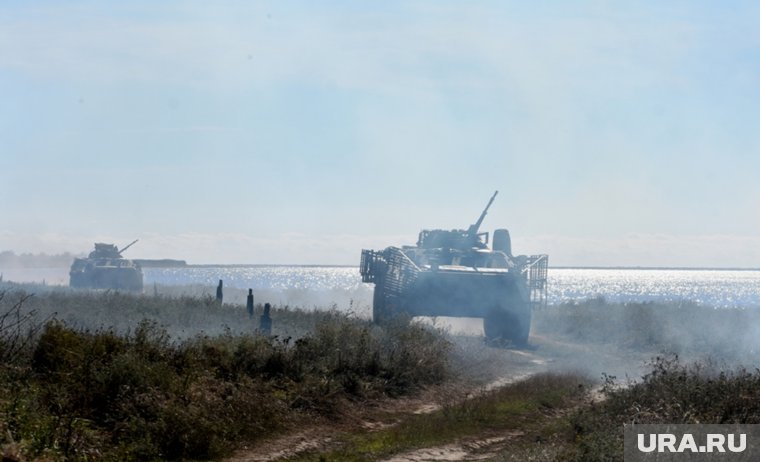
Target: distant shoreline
x: 160, y: 263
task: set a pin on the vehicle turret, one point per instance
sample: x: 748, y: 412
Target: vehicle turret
x: 457, y: 238
x: 105, y: 251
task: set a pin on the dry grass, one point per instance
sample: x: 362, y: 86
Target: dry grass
x: 140, y: 393
x: 533, y: 409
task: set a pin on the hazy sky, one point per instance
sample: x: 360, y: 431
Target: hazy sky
x: 300, y: 132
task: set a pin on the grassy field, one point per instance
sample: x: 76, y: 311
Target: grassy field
x: 560, y: 417
x: 86, y: 384
x: 113, y: 376
x: 535, y: 409
x: 672, y: 392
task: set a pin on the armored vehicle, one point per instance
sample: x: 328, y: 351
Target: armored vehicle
x: 454, y: 273
x: 105, y: 268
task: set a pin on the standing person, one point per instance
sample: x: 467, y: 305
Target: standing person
x: 219, y: 295
x: 249, y: 304
x: 265, y: 322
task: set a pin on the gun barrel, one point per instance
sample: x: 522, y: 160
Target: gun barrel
x: 474, y: 228
x: 129, y: 245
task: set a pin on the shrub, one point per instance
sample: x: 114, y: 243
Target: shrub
x: 671, y: 393
x: 139, y: 394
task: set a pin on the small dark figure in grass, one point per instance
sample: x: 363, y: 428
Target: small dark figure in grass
x: 265, y: 322
x: 219, y: 294
x: 249, y: 303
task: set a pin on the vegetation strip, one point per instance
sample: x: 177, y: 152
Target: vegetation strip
x: 80, y: 394
x: 80, y: 381
x: 535, y: 408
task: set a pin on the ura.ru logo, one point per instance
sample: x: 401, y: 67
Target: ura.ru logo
x: 713, y: 442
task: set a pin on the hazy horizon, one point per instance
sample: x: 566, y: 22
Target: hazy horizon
x: 281, y: 132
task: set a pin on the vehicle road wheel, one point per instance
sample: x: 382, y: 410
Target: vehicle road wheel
x: 502, y: 327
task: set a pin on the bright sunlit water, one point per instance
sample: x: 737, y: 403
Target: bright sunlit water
x: 719, y: 288
x: 260, y: 277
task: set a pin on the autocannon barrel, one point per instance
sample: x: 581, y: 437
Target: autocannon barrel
x: 129, y: 245
x: 473, y: 230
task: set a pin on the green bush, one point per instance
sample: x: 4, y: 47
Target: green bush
x: 671, y: 393
x: 141, y: 394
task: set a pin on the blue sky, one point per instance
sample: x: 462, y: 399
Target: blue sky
x: 299, y: 132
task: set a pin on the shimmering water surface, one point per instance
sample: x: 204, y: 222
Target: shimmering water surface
x: 323, y: 284
x: 719, y: 288
x: 260, y: 277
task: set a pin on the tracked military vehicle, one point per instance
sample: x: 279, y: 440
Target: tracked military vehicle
x: 105, y: 268
x: 454, y: 273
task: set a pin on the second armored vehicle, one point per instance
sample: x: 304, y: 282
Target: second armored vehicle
x: 454, y: 273
x: 105, y: 268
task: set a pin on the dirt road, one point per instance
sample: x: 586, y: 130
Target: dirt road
x: 488, y: 368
